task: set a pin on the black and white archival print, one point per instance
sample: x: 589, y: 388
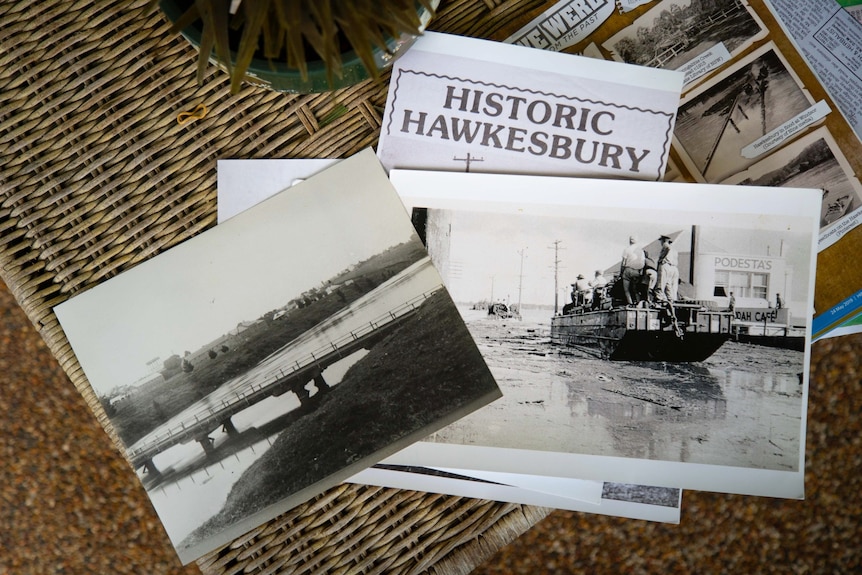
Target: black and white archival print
x: 814, y: 161
x: 468, y: 105
x: 243, y: 183
x: 723, y: 124
x: 691, y: 36
x: 647, y: 333
x: 277, y: 354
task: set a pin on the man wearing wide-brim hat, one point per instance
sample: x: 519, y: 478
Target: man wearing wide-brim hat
x: 668, y: 272
x: 597, y: 284
x: 582, y: 292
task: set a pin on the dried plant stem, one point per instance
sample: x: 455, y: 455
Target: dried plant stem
x: 284, y: 30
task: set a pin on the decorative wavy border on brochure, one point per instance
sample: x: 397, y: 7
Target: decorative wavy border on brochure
x: 670, y: 117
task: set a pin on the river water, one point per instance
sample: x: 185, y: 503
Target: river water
x: 184, y: 504
x: 408, y: 285
x: 742, y: 407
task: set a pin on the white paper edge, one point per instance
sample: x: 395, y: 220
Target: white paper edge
x: 510, y: 494
x: 244, y: 183
x: 541, y: 194
x: 586, y: 490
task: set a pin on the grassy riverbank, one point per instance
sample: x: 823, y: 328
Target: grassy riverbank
x: 425, y: 369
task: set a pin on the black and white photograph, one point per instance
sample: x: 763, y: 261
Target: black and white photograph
x: 275, y: 355
x: 692, y: 36
x: 648, y: 333
x: 813, y: 161
x: 244, y: 183
x: 717, y: 120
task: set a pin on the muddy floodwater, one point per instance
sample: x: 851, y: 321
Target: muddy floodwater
x: 742, y: 407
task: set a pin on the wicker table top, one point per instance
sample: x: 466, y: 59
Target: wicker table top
x: 98, y: 176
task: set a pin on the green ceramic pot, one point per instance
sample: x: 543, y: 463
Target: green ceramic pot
x: 279, y: 77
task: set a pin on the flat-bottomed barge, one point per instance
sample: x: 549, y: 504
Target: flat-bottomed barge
x: 684, y: 332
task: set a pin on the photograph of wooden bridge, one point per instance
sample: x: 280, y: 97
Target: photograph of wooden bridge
x: 289, y: 369
x: 303, y: 340
x: 674, y: 32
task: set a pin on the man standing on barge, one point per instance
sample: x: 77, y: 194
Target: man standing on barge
x: 668, y: 273
x: 631, y: 270
x: 597, y: 284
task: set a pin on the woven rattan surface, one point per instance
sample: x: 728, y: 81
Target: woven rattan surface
x: 97, y: 176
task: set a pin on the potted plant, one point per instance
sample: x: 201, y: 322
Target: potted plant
x: 298, y: 45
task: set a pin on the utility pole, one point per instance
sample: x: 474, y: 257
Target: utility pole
x: 556, y: 248
x: 468, y: 160
x: 521, y: 280
x: 727, y: 120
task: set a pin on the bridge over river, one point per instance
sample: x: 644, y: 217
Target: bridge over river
x: 357, y: 326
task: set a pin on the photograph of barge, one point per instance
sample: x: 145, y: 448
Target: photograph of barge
x: 658, y: 388
x: 649, y: 328
x: 688, y: 329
